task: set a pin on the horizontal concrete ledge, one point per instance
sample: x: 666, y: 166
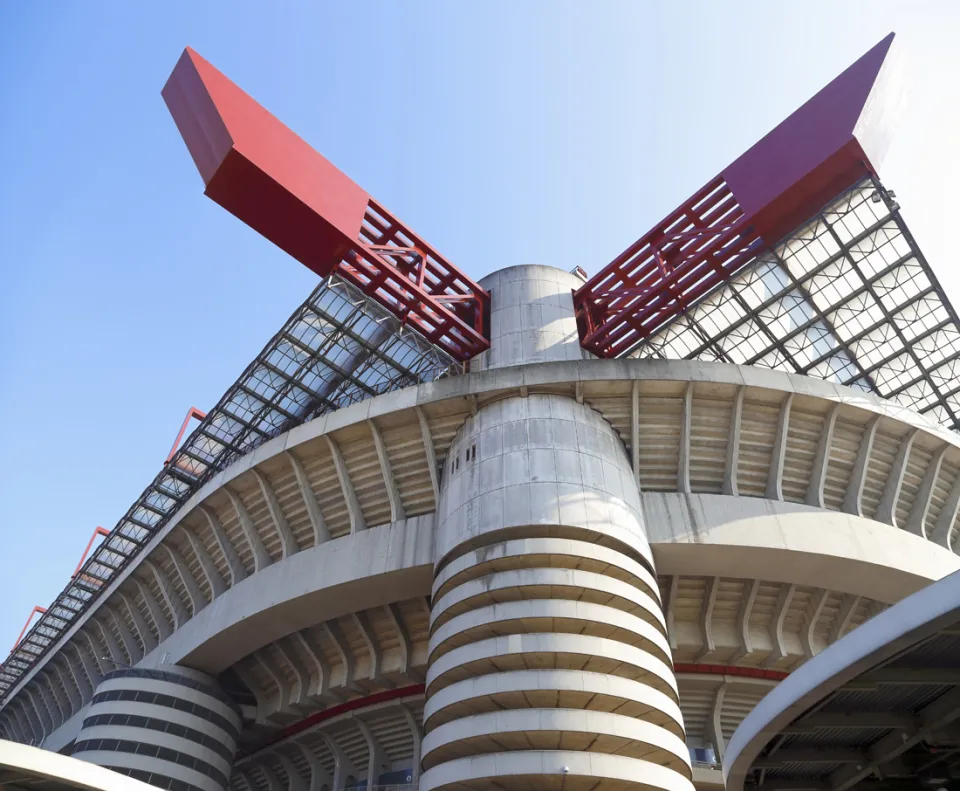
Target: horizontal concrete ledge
x: 531, y: 725
x: 515, y: 770
x: 565, y: 651
x: 501, y: 586
x: 716, y: 535
x: 356, y: 572
x: 537, y: 551
x: 63, y: 771
x: 559, y: 685
x: 552, y: 616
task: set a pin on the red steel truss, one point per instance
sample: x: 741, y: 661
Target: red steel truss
x: 830, y: 144
x: 264, y: 174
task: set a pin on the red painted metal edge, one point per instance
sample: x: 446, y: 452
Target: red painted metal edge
x: 413, y: 690
x: 98, y: 531
x: 193, y: 412
x: 35, y: 611
x: 271, y: 179
x: 731, y: 670
x: 827, y: 146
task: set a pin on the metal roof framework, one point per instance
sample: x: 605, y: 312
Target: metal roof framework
x: 794, y: 258
x: 848, y: 297
x: 339, y: 347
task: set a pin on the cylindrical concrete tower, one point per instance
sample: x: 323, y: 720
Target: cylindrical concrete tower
x: 548, y: 657
x: 532, y: 319
x: 548, y: 653
x: 174, y: 728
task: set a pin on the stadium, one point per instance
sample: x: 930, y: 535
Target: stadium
x: 544, y: 530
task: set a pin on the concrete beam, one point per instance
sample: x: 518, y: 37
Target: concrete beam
x: 300, y: 672
x: 169, y: 593
x: 430, y: 454
x: 287, y: 541
x: 393, y: 494
x: 844, y: 616
x: 164, y: 628
x: 852, y: 501
x: 887, y: 508
x: 130, y: 645
x: 808, y: 635
x: 260, y: 557
x: 406, y: 644
x: 746, y: 609
x: 775, y: 473
x: 686, y: 429
x: 320, y: 531
x: 207, y: 566
x: 147, y: 639
x: 917, y: 520
x: 234, y: 564
x: 821, y: 462
x: 706, y: 618
x: 733, y: 443
x: 357, y: 521
x: 346, y: 655
x: 319, y: 776
x: 776, y: 625
x: 371, y: 643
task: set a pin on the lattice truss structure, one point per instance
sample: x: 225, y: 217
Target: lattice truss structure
x: 338, y: 348
x: 848, y: 298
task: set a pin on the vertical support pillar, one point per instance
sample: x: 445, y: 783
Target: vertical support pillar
x: 507, y: 633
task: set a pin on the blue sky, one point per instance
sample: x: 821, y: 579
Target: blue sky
x: 504, y: 132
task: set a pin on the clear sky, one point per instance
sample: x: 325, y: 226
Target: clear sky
x: 504, y: 132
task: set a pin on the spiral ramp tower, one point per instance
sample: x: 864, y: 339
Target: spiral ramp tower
x: 373, y: 567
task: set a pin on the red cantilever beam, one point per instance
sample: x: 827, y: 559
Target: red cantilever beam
x: 271, y: 179
x: 832, y: 142
x: 98, y: 531
x: 193, y: 412
x: 35, y: 611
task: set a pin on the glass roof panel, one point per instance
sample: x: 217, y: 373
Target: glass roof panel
x: 848, y: 298
x: 338, y: 347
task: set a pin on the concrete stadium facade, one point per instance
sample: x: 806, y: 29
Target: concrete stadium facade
x: 554, y: 571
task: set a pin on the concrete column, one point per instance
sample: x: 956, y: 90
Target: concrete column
x: 548, y: 650
x: 531, y: 317
x: 173, y: 723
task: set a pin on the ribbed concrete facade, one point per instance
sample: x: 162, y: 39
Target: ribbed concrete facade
x: 550, y: 572
x: 528, y: 484
x: 174, y: 729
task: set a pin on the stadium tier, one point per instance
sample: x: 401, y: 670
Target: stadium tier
x: 538, y: 531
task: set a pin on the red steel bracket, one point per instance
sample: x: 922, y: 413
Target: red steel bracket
x: 193, y: 412
x: 827, y: 146
x: 99, y: 531
x: 271, y: 179
x: 35, y: 611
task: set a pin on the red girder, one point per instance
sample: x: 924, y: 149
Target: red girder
x: 267, y: 176
x: 38, y: 610
x: 828, y: 145
x: 98, y: 531
x: 192, y: 413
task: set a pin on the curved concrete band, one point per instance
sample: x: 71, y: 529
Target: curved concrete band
x: 542, y: 557
x: 162, y: 726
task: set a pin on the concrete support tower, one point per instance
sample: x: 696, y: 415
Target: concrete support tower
x: 172, y: 728
x: 548, y: 657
